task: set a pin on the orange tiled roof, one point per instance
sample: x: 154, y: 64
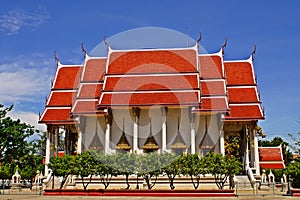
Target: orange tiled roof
x: 160, y: 61
x: 67, y: 77
x: 243, y: 95
x: 245, y: 111
x: 271, y: 157
x: 215, y: 87
x: 85, y: 107
x: 90, y: 90
x: 58, y: 98
x: 94, y: 70
x: 211, y: 66
x: 161, y: 82
x: 239, y: 73
x: 156, y: 77
x: 150, y: 98
x: 56, y: 115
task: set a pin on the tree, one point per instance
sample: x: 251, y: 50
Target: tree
x: 105, y: 168
x: 193, y: 166
x: 31, y: 163
x: 222, y: 167
x: 293, y: 170
x: 63, y: 166
x: 296, y: 142
x: 150, y: 167
x: 14, y: 144
x: 171, y: 166
x: 86, y: 165
x: 125, y: 165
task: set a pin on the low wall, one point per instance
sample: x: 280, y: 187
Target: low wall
x: 154, y: 193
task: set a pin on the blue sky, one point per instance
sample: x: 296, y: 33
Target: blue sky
x: 31, y: 30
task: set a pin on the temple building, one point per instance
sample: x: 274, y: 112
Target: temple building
x: 156, y: 99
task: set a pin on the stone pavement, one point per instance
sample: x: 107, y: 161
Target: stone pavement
x: 41, y: 197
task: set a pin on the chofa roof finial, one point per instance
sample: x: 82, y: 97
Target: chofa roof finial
x: 106, y: 42
x: 56, y: 58
x: 199, y: 40
x: 224, y: 45
x: 254, y: 50
x: 83, y: 49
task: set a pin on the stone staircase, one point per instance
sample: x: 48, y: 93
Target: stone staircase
x: 243, y: 183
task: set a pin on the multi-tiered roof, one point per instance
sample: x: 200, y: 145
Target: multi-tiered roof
x: 145, y: 77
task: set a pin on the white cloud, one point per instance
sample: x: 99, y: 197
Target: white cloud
x: 25, y: 79
x: 15, y: 21
x: 27, y: 117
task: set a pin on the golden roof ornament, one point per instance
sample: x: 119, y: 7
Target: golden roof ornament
x: 150, y: 142
x: 123, y: 143
x: 178, y: 141
x: 96, y: 143
x: 206, y: 142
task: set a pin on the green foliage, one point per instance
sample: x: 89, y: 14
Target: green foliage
x: 86, y: 165
x: 276, y: 141
x: 193, y: 166
x: 31, y: 163
x: 5, y: 172
x: 105, y: 168
x: 63, y: 166
x: 125, y: 165
x: 150, y: 167
x: 13, y: 135
x: 293, y: 170
x: 296, y: 142
x: 171, y: 166
x: 15, y: 149
x: 221, y: 167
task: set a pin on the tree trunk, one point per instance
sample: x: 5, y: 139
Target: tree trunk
x: 127, y: 181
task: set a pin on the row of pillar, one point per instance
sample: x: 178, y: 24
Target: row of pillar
x: 136, y: 114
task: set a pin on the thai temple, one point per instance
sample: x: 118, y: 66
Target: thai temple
x: 164, y: 99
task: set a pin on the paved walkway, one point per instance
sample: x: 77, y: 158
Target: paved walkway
x: 40, y: 197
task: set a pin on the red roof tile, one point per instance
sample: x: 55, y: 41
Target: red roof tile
x: 60, y: 98
x: 132, y: 83
x: 67, y: 77
x: 271, y: 157
x: 211, y: 67
x: 85, y: 107
x: 90, y: 90
x: 213, y: 103
x: 270, y: 154
x: 150, y: 98
x: 216, y: 87
x: 94, y: 69
x: 245, y: 112
x: 239, y: 73
x: 247, y: 94
x: 272, y: 165
x: 54, y: 115
x: 160, y: 61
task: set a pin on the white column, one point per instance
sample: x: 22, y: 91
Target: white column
x: 79, y: 142
x: 222, y: 142
x: 164, y: 130
x: 136, y: 114
x: 256, y: 155
x: 247, y: 150
x: 107, y: 139
x: 193, y: 133
x: 56, y: 137
x: 47, y: 159
x: 135, y: 135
